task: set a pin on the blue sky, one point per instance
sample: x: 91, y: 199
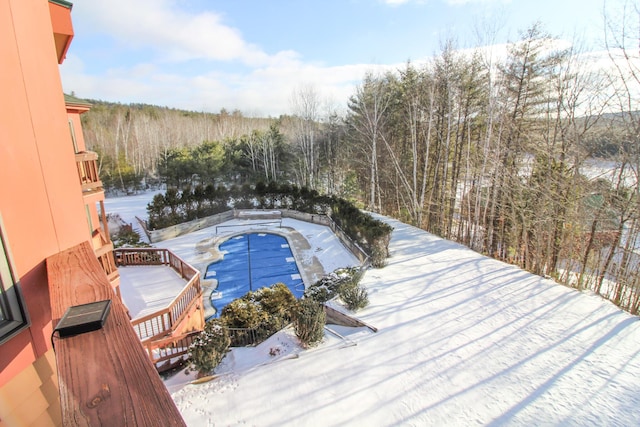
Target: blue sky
x: 252, y: 55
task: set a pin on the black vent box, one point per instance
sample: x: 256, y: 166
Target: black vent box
x: 83, y: 318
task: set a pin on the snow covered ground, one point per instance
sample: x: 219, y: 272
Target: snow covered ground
x: 462, y: 340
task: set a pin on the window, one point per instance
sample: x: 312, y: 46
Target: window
x: 13, y: 315
x: 89, y: 221
x: 73, y: 136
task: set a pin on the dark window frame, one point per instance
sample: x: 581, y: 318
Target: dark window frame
x: 13, y: 313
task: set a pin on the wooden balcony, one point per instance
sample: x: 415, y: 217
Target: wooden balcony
x: 105, y: 376
x: 162, y: 332
x: 103, y: 249
x: 87, y: 164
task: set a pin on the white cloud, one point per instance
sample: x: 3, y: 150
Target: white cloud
x: 463, y: 2
x: 263, y: 87
x: 450, y: 2
x: 175, y: 33
x: 264, y: 91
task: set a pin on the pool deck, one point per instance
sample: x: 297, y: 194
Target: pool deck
x: 312, y: 270
x: 146, y: 289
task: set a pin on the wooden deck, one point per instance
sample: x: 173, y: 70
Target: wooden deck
x: 105, y: 376
x: 146, y: 289
x: 164, y: 297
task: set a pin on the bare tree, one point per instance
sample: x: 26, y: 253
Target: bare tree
x: 367, y: 117
x: 305, y: 104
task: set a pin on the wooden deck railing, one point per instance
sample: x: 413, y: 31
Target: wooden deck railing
x: 163, y: 322
x: 171, y: 349
x: 108, y: 264
x: 87, y: 163
x: 105, y: 376
x: 141, y: 256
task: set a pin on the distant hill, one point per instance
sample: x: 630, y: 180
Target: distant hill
x: 610, y: 133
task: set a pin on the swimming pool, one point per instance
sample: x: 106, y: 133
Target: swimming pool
x: 252, y: 261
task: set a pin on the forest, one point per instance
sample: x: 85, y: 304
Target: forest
x: 530, y: 157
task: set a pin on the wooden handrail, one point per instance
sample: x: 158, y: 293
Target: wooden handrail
x: 155, y: 256
x: 153, y: 326
x: 141, y: 256
x: 105, y: 376
x: 106, y: 261
x: 191, y: 294
x: 170, y: 348
x: 86, y: 156
x: 165, y: 321
x: 104, y: 239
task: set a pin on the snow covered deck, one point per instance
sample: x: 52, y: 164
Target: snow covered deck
x: 146, y: 289
x: 161, y: 290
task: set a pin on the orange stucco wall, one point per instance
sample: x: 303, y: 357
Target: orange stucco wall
x: 40, y: 194
x: 62, y: 29
x: 60, y: 19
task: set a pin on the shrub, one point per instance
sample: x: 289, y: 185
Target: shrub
x: 127, y: 237
x: 243, y: 313
x: 334, y: 284
x: 350, y: 277
x: 208, y: 349
x: 309, y: 321
x: 371, y: 234
x: 123, y: 234
x: 355, y: 298
x: 278, y: 302
x: 266, y: 311
x: 321, y: 291
x: 378, y: 258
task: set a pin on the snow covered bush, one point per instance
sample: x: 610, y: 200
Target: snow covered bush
x: 265, y: 311
x: 278, y: 302
x: 343, y: 282
x: 334, y: 284
x: 208, y: 349
x: 122, y: 234
x: 243, y: 313
x: 309, y: 321
x: 323, y: 290
x: 177, y: 206
x: 355, y: 298
x: 380, y: 252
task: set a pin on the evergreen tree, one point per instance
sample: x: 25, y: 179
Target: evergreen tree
x: 309, y: 321
x: 209, y: 348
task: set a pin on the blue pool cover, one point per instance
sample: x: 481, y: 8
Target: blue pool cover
x: 252, y: 261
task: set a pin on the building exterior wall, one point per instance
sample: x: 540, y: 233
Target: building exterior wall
x: 40, y: 199
x: 31, y: 397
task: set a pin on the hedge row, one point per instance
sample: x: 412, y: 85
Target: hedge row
x: 175, y: 207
